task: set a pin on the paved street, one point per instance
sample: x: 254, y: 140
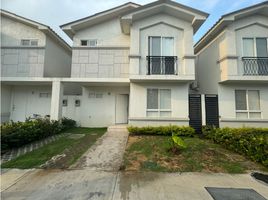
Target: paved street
x: 90, y: 184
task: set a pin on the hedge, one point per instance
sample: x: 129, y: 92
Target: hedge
x: 162, y: 130
x: 16, y: 134
x: 252, y: 142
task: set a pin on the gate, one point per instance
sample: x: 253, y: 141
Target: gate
x: 212, y: 110
x: 195, y: 112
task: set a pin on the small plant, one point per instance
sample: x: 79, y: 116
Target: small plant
x: 176, y: 144
x: 67, y: 123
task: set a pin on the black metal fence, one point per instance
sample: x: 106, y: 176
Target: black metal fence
x: 255, y: 66
x: 161, y: 65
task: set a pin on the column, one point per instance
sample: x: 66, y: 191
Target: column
x: 56, y: 100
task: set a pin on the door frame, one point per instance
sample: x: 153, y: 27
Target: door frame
x: 127, y: 95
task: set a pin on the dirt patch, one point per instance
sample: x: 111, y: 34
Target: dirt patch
x: 132, y: 140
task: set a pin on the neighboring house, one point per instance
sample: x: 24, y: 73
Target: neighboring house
x: 134, y: 64
x: 32, y: 55
x: 232, y: 62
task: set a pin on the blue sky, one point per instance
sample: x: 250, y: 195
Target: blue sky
x: 57, y: 12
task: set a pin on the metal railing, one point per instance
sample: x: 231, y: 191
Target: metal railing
x: 161, y: 65
x: 255, y: 66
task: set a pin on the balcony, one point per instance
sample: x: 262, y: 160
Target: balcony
x: 162, y: 65
x: 255, y: 66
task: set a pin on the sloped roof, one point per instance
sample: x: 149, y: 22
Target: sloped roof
x: 127, y: 9
x: 71, y: 27
x: 42, y: 27
x: 194, y: 16
x: 225, y: 20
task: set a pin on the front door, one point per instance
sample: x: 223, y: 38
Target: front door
x: 19, y: 104
x: 121, y: 109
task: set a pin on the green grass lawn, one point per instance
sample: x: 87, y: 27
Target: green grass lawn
x: 150, y: 153
x: 73, y: 148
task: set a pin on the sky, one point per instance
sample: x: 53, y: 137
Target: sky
x: 57, y: 12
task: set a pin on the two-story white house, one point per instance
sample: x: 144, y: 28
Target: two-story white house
x: 32, y: 56
x: 134, y: 64
x: 232, y: 62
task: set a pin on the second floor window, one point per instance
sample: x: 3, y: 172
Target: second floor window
x: 90, y: 43
x: 28, y: 42
x: 255, y: 56
x: 255, y: 47
x: 161, y: 59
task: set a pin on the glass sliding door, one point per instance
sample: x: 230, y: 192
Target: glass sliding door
x: 168, y: 52
x: 248, y: 47
x: 261, y: 50
x: 250, y: 66
x: 161, y: 52
x: 155, y: 53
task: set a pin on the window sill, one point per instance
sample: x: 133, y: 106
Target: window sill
x: 158, y: 119
x: 243, y: 120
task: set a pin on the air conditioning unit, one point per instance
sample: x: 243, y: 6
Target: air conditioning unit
x: 194, y: 86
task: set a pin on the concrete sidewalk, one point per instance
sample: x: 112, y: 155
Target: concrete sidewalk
x: 107, y: 153
x: 89, y: 184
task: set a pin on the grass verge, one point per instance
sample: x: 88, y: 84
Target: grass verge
x: 150, y: 153
x: 72, y: 148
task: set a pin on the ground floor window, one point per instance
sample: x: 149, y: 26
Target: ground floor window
x: 158, y: 102
x: 247, y: 103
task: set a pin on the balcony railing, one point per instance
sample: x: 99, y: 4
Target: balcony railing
x: 255, y: 66
x: 161, y: 65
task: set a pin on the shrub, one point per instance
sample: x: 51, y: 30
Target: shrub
x: 252, y: 142
x: 68, y: 123
x: 16, y: 134
x: 162, y: 130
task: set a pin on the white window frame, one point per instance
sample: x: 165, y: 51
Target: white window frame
x: 254, y: 45
x: 161, y: 43
x: 88, y: 42
x: 30, y: 42
x: 159, y: 110
x: 247, y: 110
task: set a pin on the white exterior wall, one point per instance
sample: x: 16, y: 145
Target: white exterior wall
x: 94, y: 112
x: 57, y: 60
x: 108, y: 33
x: 25, y: 62
x: 138, y: 104
x: 109, y: 59
x: 26, y: 101
x: 100, y: 62
x: 220, y: 60
x: 5, y: 102
x: 227, y: 105
x: 255, y: 26
x: 166, y: 26
x: 17, y: 61
x: 71, y: 111
x: 207, y: 69
x: 12, y: 32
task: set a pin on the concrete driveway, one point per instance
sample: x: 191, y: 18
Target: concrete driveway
x: 88, y: 184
